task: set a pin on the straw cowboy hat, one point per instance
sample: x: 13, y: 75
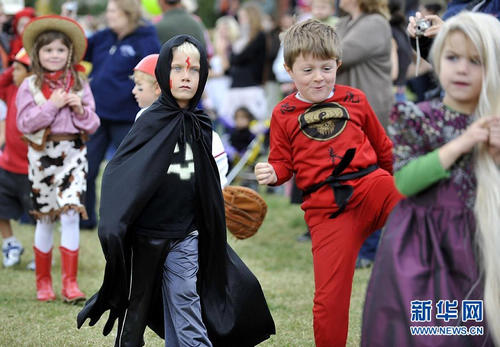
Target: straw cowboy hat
x: 56, y: 23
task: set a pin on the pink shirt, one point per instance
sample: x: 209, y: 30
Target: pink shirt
x: 34, y: 112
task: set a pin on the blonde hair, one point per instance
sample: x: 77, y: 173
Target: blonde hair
x: 254, y: 15
x: 375, y: 6
x: 483, y: 30
x: 132, y: 9
x: 232, y: 27
x: 44, y: 39
x: 188, y: 49
x: 311, y: 37
x: 144, y: 77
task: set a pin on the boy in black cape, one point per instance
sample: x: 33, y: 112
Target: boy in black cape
x: 161, y: 192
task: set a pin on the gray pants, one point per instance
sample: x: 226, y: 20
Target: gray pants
x: 184, y: 326
x: 182, y: 312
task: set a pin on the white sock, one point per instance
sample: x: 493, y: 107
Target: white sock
x: 70, y: 230
x: 43, y: 235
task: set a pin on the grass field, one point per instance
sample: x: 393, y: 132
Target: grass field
x: 283, y: 266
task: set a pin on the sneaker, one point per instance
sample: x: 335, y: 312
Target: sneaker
x: 31, y: 265
x: 12, y: 253
x: 363, y: 263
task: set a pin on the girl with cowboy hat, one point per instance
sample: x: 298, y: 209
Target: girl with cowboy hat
x: 56, y: 110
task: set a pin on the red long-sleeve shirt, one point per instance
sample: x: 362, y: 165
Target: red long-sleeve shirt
x: 14, y: 157
x: 310, y: 139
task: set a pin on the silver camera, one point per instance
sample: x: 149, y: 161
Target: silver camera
x: 422, y: 25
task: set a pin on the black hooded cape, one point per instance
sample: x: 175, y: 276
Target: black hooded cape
x: 234, y: 309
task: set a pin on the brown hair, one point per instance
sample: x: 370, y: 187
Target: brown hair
x: 311, y: 37
x: 375, y: 6
x: 44, y: 39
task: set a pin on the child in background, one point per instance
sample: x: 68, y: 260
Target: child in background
x: 441, y: 243
x: 329, y: 136
x: 324, y: 10
x: 55, y: 110
x: 14, y: 183
x: 240, y: 136
x: 146, y: 89
x: 177, y: 261
x: 19, y: 22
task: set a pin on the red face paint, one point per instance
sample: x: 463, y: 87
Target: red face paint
x: 188, y: 62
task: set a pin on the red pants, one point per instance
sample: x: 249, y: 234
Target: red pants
x: 335, y: 246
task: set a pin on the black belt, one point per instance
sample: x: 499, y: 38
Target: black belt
x: 342, y: 193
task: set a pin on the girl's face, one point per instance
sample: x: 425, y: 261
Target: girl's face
x: 116, y: 18
x: 461, y: 74
x: 184, y: 77
x: 53, y: 57
x: 19, y: 73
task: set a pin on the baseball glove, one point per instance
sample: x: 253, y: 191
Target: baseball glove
x: 245, y: 211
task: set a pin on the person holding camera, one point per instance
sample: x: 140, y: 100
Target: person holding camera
x: 367, y: 66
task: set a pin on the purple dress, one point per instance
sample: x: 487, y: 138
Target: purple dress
x: 427, y: 252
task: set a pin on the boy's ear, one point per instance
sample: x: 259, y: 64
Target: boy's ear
x: 339, y: 63
x: 287, y: 69
x: 157, y: 89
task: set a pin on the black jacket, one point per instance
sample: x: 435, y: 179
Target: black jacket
x: 233, y: 305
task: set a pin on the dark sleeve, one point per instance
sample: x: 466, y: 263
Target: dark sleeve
x: 425, y: 44
x: 255, y: 50
x: 90, y: 46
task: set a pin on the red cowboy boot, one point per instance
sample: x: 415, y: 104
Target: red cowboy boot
x: 43, y: 263
x: 69, y: 267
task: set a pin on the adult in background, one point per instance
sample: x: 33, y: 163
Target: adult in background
x: 114, y: 52
x: 246, y: 66
x: 176, y: 20
x: 365, y: 35
x: 366, y: 40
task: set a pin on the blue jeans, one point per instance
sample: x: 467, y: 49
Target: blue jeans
x: 182, y: 309
x: 110, y: 133
x: 369, y: 247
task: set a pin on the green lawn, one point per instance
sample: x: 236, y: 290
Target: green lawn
x: 283, y: 266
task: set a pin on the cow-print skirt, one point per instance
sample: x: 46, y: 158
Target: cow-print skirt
x: 58, y: 177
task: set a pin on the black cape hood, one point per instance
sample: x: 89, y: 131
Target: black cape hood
x: 233, y: 305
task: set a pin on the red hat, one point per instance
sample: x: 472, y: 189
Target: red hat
x: 148, y: 64
x: 23, y: 57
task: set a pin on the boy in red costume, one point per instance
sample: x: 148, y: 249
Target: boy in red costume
x: 14, y: 184
x: 330, y: 138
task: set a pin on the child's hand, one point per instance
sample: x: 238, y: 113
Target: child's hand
x: 58, y: 98
x: 75, y: 102
x: 265, y: 174
x: 476, y: 133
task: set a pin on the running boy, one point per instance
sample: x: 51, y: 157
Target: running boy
x: 329, y: 136
x: 164, y: 238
